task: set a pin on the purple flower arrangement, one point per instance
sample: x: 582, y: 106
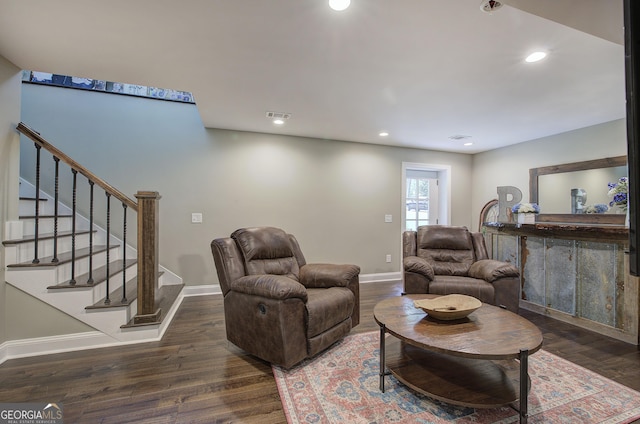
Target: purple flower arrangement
x: 619, y: 192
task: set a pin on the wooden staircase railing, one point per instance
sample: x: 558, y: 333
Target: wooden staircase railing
x: 146, y: 208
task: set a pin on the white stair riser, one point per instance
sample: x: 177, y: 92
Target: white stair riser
x: 28, y: 207
x: 52, y: 275
x: 115, y: 282
x: 28, y: 279
x: 47, y: 205
x: 47, y: 225
x: 20, y: 277
x: 105, y: 320
x: 24, y: 252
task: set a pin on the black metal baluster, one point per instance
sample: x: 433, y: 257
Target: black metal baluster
x: 73, y: 227
x: 107, y: 301
x: 124, y: 253
x: 90, y: 279
x: 37, y: 212
x: 55, y: 209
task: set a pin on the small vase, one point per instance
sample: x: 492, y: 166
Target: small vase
x: 526, y: 218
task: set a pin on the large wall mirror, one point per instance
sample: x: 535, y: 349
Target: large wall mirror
x: 565, y: 192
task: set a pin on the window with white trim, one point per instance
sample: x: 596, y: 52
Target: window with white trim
x: 421, y: 198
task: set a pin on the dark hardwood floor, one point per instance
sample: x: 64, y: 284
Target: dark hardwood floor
x: 195, y: 376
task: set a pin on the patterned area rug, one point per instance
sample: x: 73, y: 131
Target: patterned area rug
x: 341, y: 386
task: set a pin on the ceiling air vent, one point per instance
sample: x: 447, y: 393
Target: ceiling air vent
x: 457, y: 137
x: 278, y: 115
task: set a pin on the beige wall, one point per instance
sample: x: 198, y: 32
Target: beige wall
x: 510, y: 166
x: 332, y: 195
x: 18, y: 309
x: 28, y: 318
x: 9, y: 117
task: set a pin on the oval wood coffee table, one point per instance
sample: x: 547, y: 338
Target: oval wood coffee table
x: 479, y: 361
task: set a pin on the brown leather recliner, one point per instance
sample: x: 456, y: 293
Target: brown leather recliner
x: 441, y: 259
x: 276, y: 306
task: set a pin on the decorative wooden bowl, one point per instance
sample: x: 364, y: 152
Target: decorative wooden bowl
x: 449, y: 307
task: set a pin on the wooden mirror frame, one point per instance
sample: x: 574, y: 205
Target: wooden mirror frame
x: 534, y: 173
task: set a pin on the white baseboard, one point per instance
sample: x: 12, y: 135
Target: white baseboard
x: 79, y: 341
x: 94, y: 339
x: 166, y: 321
x: 201, y: 290
x: 54, y: 344
x: 204, y: 290
x: 383, y: 276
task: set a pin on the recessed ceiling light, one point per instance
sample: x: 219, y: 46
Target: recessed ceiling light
x: 278, y: 121
x: 490, y: 5
x: 339, y: 4
x: 535, y: 57
x: 384, y: 134
x: 468, y: 144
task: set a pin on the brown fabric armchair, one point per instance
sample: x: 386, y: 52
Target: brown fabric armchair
x: 277, y: 307
x: 442, y: 259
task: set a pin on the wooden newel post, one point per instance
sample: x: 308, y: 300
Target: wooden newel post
x: 148, y: 260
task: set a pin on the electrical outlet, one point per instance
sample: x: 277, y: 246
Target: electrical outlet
x: 388, y: 258
x: 196, y: 218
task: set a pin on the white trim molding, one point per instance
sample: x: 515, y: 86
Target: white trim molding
x: 87, y: 340
x: 209, y: 289
x: 202, y: 290
x: 380, y: 277
x: 54, y: 344
x: 95, y: 339
x: 444, y: 175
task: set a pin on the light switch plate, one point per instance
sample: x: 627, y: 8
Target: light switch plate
x: 196, y: 218
x: 388, y: 218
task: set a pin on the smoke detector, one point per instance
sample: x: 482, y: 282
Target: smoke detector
x: 490, y: 5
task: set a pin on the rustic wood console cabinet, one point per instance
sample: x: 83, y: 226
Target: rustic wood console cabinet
x: 576, y: 273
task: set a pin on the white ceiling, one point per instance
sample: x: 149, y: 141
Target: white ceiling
x: 423, y: 70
